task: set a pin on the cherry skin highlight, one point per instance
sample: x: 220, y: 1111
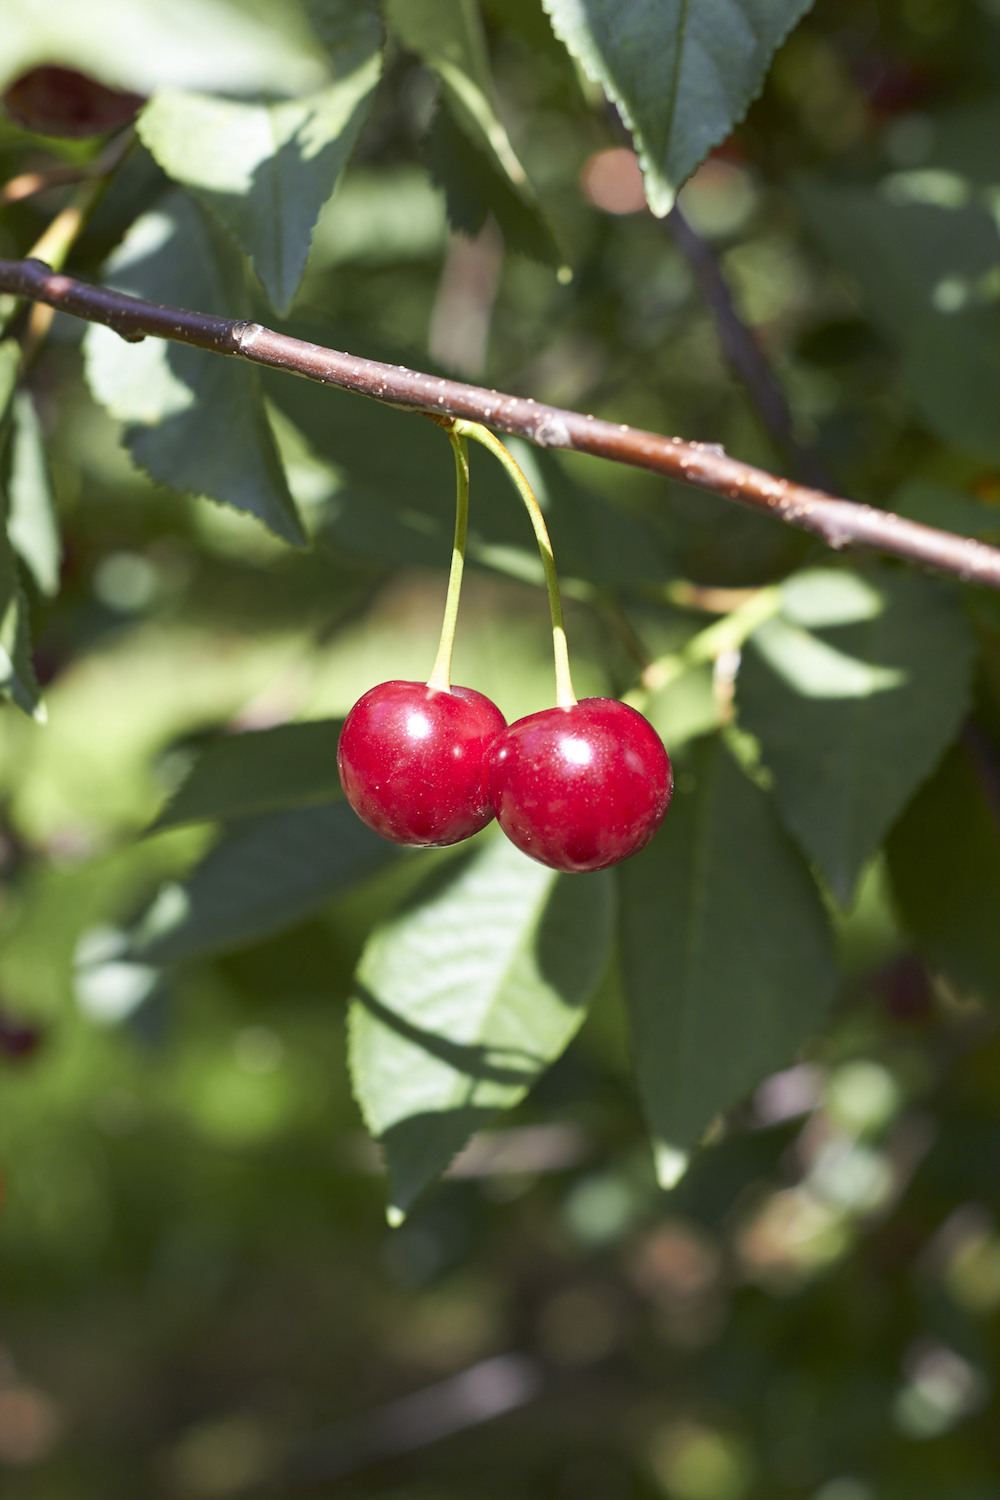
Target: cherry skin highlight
x: 581, y: 788
x: 414, y: 761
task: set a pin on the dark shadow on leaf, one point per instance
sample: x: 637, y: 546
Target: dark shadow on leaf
x: 418, y: 1148
x: 576, y: 927
x: 513, y: 1069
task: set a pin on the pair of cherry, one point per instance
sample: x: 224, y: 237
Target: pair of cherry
x: 577, y: 788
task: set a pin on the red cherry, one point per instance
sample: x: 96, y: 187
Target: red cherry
x: 64, y: 102
x: 414, y: 761
x: 581, y: 788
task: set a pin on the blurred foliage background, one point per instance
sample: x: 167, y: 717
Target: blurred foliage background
x: 199, y: 1296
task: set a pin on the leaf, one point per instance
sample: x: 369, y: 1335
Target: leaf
x: 464, y: 997
x: 196, y: 421
x: 266, y: 169
x: 682, y: 72
x: 17, y: 675
x: 10, y: 363
x: 31, y: 524
x: 448, y: 36
x: 854, y: 692
x: 265, y: 875
x: 143, y: 44
x: 381, y: 215
x: 923, y: 248
x: 261, y: 771
x: 474, y: 189
x: 726, y: 951
x: 944, y: 867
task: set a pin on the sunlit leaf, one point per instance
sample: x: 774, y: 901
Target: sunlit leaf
x: 17, y: 675
x: 199, y: 44
x: 195, y: 421
x: 681, y: 74
x: 448, y: 36
x: 854, y: 693
x: 10, y: 360
x: 32, y: 525
x: 267, y: 169
x: 464, y: 997
x: 726, y: 953
x: 265, y: 770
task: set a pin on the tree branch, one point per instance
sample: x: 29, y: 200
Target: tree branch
x: 29, y: 184
x: 839, y: 523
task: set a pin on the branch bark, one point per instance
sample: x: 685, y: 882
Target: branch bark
x: 839, y: 523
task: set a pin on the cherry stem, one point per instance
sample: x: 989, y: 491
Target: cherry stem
x: 58, y: 239
x: 440, y: 677
x: 565, y: 696
x: 728, y: 634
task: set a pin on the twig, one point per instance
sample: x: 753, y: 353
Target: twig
x: 29, y: 184
x: 839, y: 523
x: 740, y: 347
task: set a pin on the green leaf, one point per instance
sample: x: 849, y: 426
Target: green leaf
x: 265, y: 875
x: 448, y: 36
x: 923, y: 248
x: 196, y: 421
x: 265, y: 770
x: 474, y: 189
x: 17, y: 675
x: 726, y: 951
x: 682, y: 72
x: 32, y: 525
x: 854, y: 693
x: 381, y: 216
x: 464, y: 997
x: 944, y: 867
x: 144, y: 44
x: 266, y: 169
x: 10, y: 363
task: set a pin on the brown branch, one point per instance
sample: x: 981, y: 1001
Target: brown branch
x: 839, y: 523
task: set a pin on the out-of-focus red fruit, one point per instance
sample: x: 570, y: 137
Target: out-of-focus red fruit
x: 60, y: 101
x: 16, y: 1039
x: 896, y: 88
x: 905, y: 990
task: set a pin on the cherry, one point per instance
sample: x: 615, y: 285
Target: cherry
x: 414, y: 761
x: 582, y: 787
x: 64, y: 102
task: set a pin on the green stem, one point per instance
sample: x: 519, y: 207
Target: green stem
x: 441, y: 675
x: 565, y: 696
x: 727, y: 634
